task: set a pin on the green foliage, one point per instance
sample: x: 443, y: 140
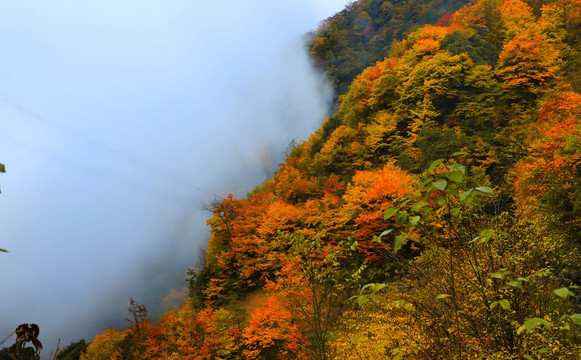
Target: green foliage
x: 5, y: 354
x: 362, y: 34
x: 72, y: 352
x: 435, y: 142
x: 471, y: 43
x: 487, y: 271
x: 198, y: 280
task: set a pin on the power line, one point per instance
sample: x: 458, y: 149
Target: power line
x: 140, y: 165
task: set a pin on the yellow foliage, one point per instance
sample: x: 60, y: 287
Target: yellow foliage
x: 103, y: 346
x: 379, y: 330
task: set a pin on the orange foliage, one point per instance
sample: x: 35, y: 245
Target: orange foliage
x: 426, y: 41
x: 323, y: 218
x: 554, y: 162
x: 517, y: 16
x: 528, y: 63
x: 294, y: 185
x: 369, y: 192
x: 273, y: 333
x: 572, y: 15
x: 279, y: 216
x: 178, y: 335
x: 470, y: 16
x: 243, y: 244
x: 529, y: 60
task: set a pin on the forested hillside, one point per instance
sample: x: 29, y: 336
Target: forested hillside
x: 435, y: 215
x: 361, y: 34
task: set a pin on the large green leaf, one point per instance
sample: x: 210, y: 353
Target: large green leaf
x: 465, y: 195
x: 403, y: 304
x: 456, y: 176
x: 576, y: 318
x: 400, y: 241
x: 531, y: 324
x: 440, y: 184
x: 417, y: 206
x: 377, y: 287
x: 434, y: 164
x: 458, y: 153
x: 458, y: 167
x: 413, y: 221
x: 440, y: 201
x: 389, y: 213
x: 486, y: 234
x: 504, y: 303
x: 401, y: 217
x: 385, y: 233
x: 498, y: 275
x: 564, y: 292
x: 485, y: 189
x: 362, y: 299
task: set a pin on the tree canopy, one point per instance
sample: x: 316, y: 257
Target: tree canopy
x: 435, y: 214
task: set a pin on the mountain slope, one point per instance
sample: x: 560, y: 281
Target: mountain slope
x: 361, y: 34
x: 436, y: 214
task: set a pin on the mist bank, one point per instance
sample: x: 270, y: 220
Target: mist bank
x: 116, y: 136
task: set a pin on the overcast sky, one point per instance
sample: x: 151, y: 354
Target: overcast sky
x: 119, y: 121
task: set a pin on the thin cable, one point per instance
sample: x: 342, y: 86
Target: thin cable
x: 9, y: 336
x: 144, y: 167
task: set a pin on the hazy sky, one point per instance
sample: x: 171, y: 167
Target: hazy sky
x: 119, y: 121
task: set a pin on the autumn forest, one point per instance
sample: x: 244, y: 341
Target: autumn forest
x: 435, y: 214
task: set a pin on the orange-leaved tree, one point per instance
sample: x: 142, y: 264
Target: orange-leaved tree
x: 530, y: 61
x: 549, y: 177
x: 370, y: 192
x: 273, y: 333
x: 104, y: 346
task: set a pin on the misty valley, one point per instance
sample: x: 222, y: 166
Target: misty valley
x: 435, y: 212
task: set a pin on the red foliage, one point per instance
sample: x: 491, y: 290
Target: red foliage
x: 554, y: 162
x: 446, y: 19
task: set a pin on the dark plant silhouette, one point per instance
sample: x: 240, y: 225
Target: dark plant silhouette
x: 26, y: 334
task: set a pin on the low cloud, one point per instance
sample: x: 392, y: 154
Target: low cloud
x: 119, y: 125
